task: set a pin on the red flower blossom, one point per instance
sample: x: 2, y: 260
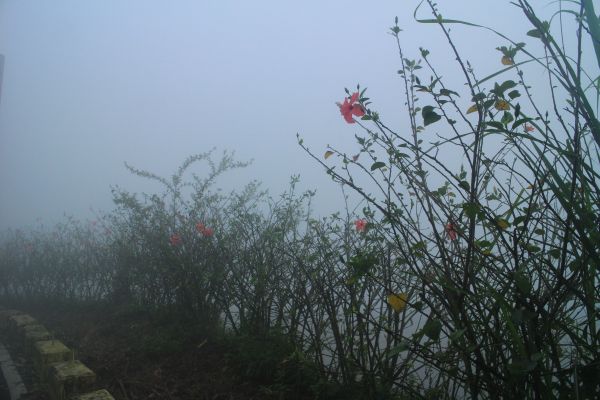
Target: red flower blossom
x: 175, y: 239
x: 351, y: 108
x: 451, y: 231
x: 360, y: 224
x: 204, y: 230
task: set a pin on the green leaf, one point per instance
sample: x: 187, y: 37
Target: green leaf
x: 432, y: 329
x: 495, y: 124
x: 506, y: 118
x: 361, y: 264
x: 516, y: 316
x: 554, y: 253
x: 509, y: 84
x: 465, y: 185
x: 500, y: 89
x: 402, y: 346
x: 519, y: 219
x: 446, y: 92
x: 484, y: 243
x: 471, y: 209
x: 522, y: 282
x: 520, y: 122
x: 521, y: 367
x: 537, y: 33
x: 454, y: 336
x: 488, y: 103
x: 419, y: 245
x: 377, y: 165
x: 429, y: 116
x: 478, y: 97
x: 513, y: 94
x: 533, y: 248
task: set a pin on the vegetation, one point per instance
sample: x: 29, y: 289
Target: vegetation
x: 476, y: 279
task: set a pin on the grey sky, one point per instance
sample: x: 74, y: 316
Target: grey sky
x: 91, y: 84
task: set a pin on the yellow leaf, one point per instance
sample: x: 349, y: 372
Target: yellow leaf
x: 472, y: 109
x: 507, y: 60
x: 502, y: 223
x: 328, y: 154
x: 501, y: 105
x: 351, y: 281
x: 397, y: 301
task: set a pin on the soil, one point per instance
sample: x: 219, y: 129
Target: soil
x: 133, y: 355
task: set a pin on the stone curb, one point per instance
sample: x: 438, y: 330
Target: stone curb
x: 63, y: 377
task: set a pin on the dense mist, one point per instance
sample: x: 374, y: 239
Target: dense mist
x: 88, y: 86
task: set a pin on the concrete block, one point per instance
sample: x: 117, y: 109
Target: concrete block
x: 47, y: 352
x: 69, y: 378
x: 32, y: 334
x: 97, y: 395
x: 16, y: 323
x: 34, y: 330
x: 19, y: 320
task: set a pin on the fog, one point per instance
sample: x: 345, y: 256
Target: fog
x: 89, y: 85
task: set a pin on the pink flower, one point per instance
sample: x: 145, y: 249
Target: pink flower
x: 529, y: 128
x: 175, y: 239
x: 350, y: 108
x: 451, y: 231
x: 360, y: 224
x: 204, y: 230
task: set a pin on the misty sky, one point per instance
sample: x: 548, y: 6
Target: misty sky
x: 89, y: 85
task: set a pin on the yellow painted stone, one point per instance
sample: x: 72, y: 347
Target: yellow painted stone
x: 35, y: 333
x: 97, y: 395
x: 19, y: 320
x: 47, y: 352
x: 69, y: 378
x: 28, y: 330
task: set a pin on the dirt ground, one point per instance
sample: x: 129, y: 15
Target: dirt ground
x: 135, y: 357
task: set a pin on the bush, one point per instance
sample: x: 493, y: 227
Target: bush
x: 498, y: 254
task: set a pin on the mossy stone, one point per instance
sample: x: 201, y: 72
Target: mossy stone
x: 69, y: 378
